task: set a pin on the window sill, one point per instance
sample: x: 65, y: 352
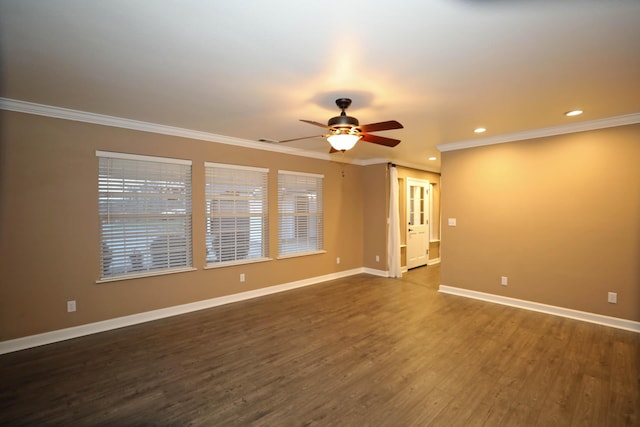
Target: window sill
x: 298, y: 254
x: 239, y: 262
x: 145, y: 274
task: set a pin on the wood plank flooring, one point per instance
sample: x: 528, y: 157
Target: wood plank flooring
x: 352, y: 352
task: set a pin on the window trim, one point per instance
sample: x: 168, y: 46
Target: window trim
x: 147, y: 273
x: 237, y: 262
x: 265, y: 236
x: 307, y: 252
x: 143, y: 158
x: 235, y: 167
x: 311, y: 175
x: 299, y: 254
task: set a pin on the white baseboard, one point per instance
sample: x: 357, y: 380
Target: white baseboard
x: 373, y: 271
x: 433, y: 261
x: 134, y: 319
x: 599, y: 319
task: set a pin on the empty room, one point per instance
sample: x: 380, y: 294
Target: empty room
x: 320, y: 213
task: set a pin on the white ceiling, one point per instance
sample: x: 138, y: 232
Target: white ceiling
x: 251, y: 69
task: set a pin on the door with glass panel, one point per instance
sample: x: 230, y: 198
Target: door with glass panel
x: 417, y: 222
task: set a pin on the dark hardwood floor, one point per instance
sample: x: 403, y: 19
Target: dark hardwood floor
x: 352, y: 352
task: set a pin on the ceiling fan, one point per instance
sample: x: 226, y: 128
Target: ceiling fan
x: 345, y: 131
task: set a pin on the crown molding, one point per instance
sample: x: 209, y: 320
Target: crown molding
x: 119, y: 122
x: 369, y: 162
x: 379, y: 160
x: 628, y: 119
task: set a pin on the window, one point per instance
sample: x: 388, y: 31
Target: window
x: 144, y: 205
x: 237, y: 214
x: 300, y: 224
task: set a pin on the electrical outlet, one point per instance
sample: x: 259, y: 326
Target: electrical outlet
x: 242, y: 277
x: 377, y: 258
x: 71, y: 306
x: 338, y: 260
x: 612, y: 298
x: 504, y: 280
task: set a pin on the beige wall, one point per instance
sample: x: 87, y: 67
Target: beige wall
x: 434, y: 250
x: 559, y: 216
x: 49, y: 226
x: 375, y: 191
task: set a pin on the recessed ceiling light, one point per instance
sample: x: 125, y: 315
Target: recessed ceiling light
x: 573, y: 113
x: 479, y: 130
x: 433, y: 158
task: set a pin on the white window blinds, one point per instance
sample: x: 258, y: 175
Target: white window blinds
x: 145, y: 215
x: 237, y: 213
x: 300, y: 223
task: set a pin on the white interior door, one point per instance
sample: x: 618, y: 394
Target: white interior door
x: 417, y: 222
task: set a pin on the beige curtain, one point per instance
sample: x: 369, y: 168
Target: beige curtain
x: 393, y: 241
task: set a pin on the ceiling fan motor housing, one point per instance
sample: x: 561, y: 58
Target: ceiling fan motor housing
x: 343, y: 121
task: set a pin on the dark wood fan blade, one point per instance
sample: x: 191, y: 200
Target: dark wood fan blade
x: 304, y: 137
x: 333, y: 150
x: 311, y: 122
x: 389, y: 142
x: 375, y: 127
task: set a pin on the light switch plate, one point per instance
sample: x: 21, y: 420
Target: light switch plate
x: 452, y: 222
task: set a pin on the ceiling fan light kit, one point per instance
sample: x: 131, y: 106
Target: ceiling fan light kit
x: 343, y: 141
